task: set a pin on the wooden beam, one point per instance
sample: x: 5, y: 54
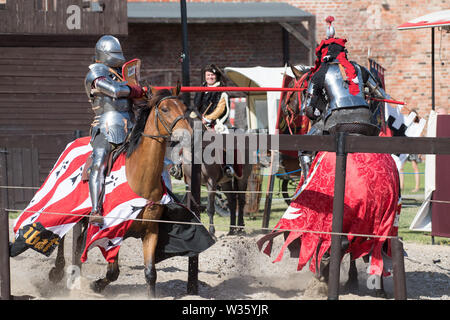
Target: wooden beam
x: 292, y: 30
x: 307, y: 43
x: 352, y: 143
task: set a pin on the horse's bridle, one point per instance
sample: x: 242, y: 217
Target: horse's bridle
x: 290, y: 118
x: 161, y: 119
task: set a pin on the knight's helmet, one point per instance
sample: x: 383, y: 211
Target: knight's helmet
x: 330, y: 28
x: 109, y: 52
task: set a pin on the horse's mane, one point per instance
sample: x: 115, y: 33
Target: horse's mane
x: 141, y: 120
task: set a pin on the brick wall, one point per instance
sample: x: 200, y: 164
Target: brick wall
x: 226, y: 45
x: 369, y: 26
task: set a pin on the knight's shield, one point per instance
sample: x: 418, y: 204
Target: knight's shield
x: 131, y: 71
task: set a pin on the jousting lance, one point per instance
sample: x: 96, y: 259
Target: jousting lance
x: 221, y: 89
x: 388, y: 101
x: 254, y: 89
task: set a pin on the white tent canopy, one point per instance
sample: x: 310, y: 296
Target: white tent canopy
x: 262, y: 106
x: 434, y: 19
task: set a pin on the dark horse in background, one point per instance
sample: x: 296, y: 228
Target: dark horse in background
x: 213, y: 177
x: 163, y: 114
x: 292, y: 104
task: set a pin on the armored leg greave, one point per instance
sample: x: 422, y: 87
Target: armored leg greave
x: 305, y: 163
x: 100, y: 153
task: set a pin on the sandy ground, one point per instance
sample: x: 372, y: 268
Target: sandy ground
x: 232, y: 268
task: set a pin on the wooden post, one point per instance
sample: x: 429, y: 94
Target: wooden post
x: 338, y: 217
x: 398, y: 264
x: 285, y: 37
x: 194, y: 203
x: 433, y: 99
x: 4, y: 255
x: 269, y: 193
x: 5, y: 275
x: 76, y: 231
x: 185, y: 54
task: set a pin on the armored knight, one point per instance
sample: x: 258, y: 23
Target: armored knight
x: 336, y: 94
x: 111, y: 100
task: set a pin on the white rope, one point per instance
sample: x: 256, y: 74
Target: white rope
x: 218, y: 225
x: 219, y: 191
x: 18, y: 187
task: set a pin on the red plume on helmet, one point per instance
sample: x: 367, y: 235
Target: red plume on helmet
x: 330, y: 28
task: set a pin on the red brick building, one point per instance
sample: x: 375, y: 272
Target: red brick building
x: 369, y: 27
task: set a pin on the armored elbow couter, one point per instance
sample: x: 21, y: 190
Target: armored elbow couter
x: 112, y: 89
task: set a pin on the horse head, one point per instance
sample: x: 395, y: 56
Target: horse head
x: 168, y: 113
x: 291, y: 104
x: 162, y: 115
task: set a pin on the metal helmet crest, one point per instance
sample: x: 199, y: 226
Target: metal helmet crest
x: 109, y: 52
x: 330, y: 28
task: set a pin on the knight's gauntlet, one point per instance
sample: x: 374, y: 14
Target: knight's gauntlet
x: 375, y: 89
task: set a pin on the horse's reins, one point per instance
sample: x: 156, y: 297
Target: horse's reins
x: 158, y: 116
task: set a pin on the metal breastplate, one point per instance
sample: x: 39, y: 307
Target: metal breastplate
x: 338, y: 93
x: 113, y: 116
x: 114, y: 125
x: 102, y: 104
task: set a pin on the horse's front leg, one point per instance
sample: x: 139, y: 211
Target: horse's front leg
x: 57, y: 272
x: 231, y: 199
x: 149, y: 242
x: 352, y: 283
x: 211, y: 208
x: 241, y: 206
x: 112, y: 273
x: 379, y: 287
x: 81, y: 241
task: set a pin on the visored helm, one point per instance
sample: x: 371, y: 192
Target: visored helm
x: 109, y: 52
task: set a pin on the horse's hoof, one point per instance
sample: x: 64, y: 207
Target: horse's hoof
x: 316, y: 289
x: 97, y: 286
x: 351, y: 285
x: 380, y: 293
x: 232, y: 232
x: 56, y: 275
x: 152, y: 293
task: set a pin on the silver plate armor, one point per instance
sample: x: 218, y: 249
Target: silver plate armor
x: 336, y: 106
x: 375, y: 89
x: 337, y: 91
x: 109, y: 51
x: 108, y: 97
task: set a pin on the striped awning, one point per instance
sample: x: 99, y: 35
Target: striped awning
x: 435, y: 19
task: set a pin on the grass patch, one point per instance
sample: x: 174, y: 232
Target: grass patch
x: 409, y: 178
x: 406, y: 217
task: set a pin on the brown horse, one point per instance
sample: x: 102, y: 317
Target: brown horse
x: 292, y: 120
x: 163, y: 114
x: 212, y: 176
